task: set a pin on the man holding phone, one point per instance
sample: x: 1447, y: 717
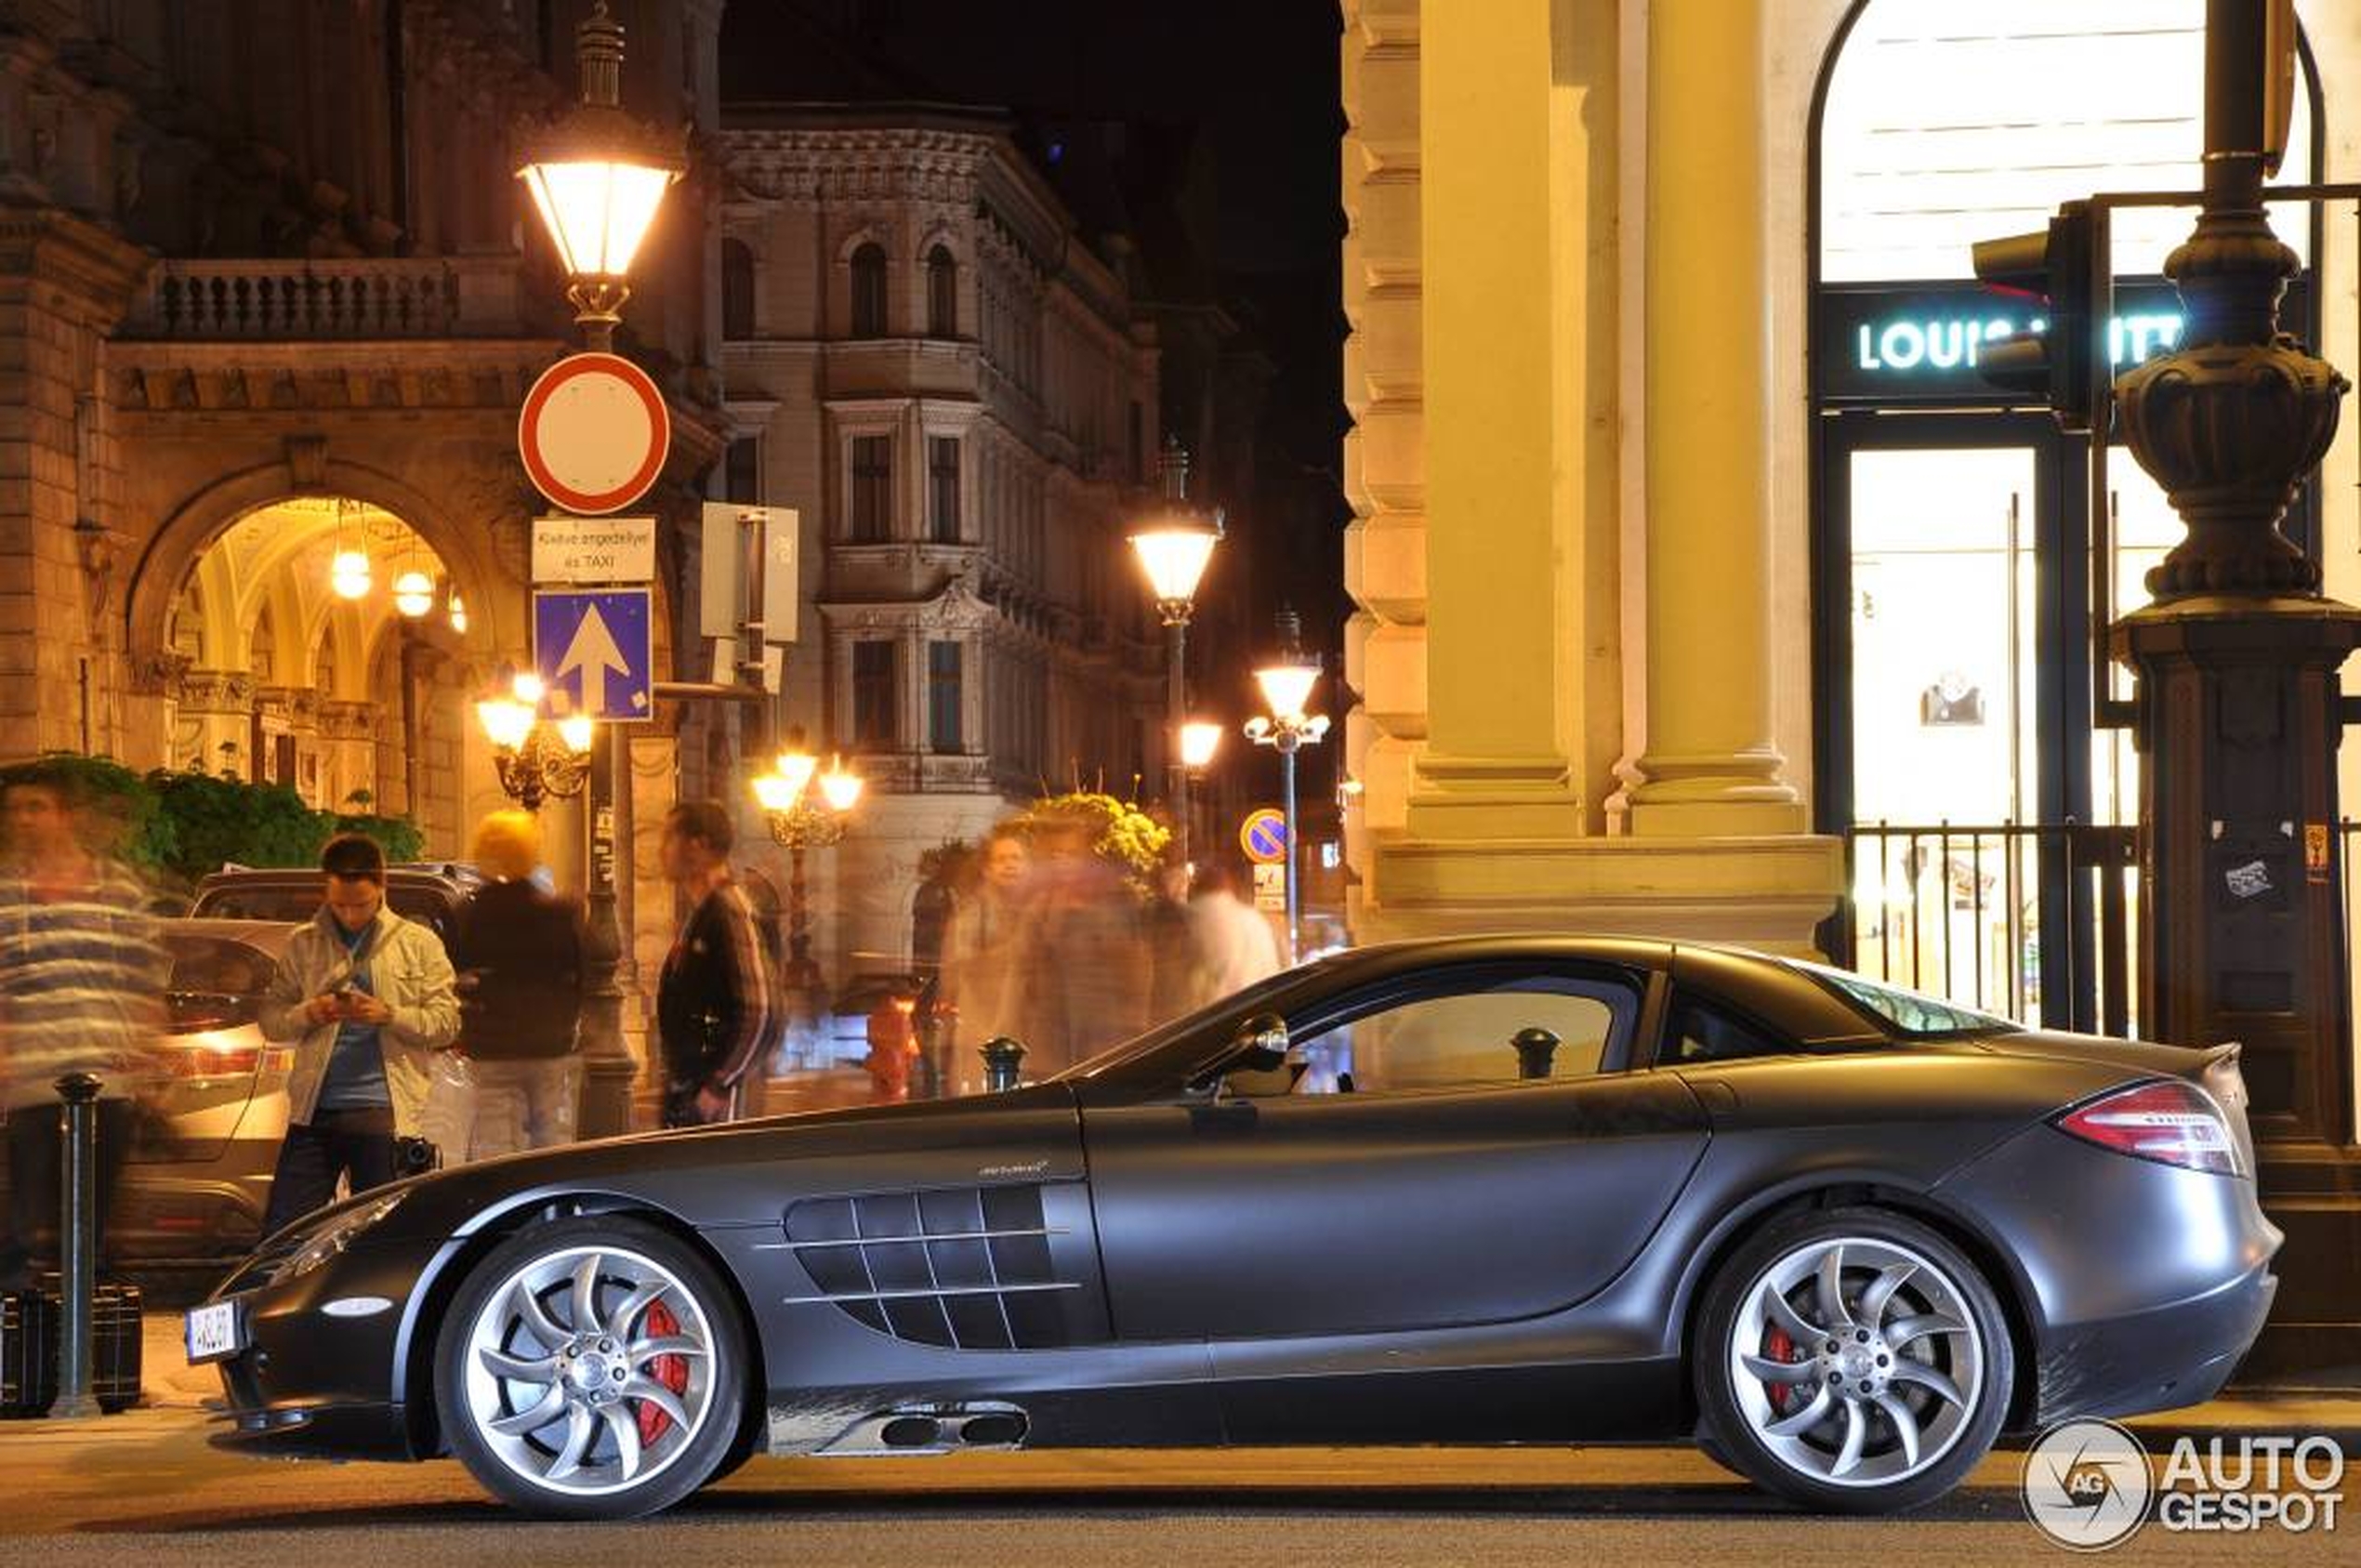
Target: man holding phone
x: 368, y: 997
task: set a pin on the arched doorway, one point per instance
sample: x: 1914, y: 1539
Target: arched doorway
x: 1987, y: 814
x: 323, y: 645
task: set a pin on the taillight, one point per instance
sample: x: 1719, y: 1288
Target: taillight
x: 2171, y: 1122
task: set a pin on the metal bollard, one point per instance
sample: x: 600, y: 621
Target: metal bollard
x: 77, y: 1243
x: 1534, y: 1048
x: 1003, y: 1063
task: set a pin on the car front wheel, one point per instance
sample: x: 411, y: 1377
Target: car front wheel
x: 592, y: 1369
x: 1853, y: 1361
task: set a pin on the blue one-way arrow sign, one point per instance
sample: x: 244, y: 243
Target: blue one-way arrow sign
x: 595, y: 653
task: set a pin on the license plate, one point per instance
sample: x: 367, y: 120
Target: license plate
x: 215, y: 1330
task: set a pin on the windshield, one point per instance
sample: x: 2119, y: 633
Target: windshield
x: 1905, y: 1012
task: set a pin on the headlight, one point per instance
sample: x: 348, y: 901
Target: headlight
x: 333, y: 1236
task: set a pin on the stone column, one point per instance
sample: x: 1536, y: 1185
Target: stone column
x: 348, y: 731
x: 276, y: 707
x: 63, y: 284
x: 1710, y: 768
x: 1500, y: 174
x: 1385, y: 457
x: 310, y: 768
x: 220, y: 702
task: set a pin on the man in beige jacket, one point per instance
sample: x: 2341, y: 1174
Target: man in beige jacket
x: 368, y: 997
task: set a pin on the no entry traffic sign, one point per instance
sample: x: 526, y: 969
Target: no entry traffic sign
x: 594, y: 433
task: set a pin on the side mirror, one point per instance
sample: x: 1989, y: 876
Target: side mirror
x: 1260, y: 1045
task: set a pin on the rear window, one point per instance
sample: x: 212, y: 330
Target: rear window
x: 215, y: 982
x: 1905, y: 1012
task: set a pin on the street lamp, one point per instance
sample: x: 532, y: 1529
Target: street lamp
x: 597, y: 177
x: 1200, y: 738
x: 537, y: 760
x: 1175, y: 542
x: 799, y: 822
x: 1286, y: 684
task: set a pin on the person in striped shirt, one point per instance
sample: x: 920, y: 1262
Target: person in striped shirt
x: 81, y: 988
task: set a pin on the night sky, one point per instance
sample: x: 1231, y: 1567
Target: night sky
x: 1230, y: 106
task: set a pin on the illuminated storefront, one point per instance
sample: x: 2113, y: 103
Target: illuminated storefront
x: 1986, y: 810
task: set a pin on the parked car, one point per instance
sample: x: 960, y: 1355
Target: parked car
x: 1486, y: 1190
x: 431, y: 893
x: 198, y: 1179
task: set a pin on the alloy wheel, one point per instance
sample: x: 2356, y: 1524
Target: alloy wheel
x: 589, y: 1370
x: 1856, y: 1361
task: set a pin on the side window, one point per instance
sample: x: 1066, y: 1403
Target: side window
x: 1699, y: 1031
x: 1528, y: 1027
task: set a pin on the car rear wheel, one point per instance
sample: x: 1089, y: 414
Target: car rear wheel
x: 592, y: 1369
x: 1853, y: 1361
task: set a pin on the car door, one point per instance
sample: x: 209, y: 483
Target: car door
x: 1406, y: 1173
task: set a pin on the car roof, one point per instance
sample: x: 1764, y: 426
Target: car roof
x: 271, y: 935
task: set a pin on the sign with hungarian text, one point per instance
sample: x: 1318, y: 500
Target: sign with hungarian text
x: 594, y: 549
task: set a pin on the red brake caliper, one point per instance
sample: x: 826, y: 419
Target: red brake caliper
x: 671, y: 1371
x: 1776, y: 1346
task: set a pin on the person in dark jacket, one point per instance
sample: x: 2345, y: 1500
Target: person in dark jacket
x: 519, y: 954
x: 713, y: 1006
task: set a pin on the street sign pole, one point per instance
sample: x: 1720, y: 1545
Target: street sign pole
x: 1294, y: 890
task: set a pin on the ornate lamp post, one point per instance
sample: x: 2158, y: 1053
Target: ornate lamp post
x: 1286, y: 684
x: 799, y: 822
x: 1200, y: 740
x: 1175, y: 542
x: 537, y: 760
x: 597, y: 177
x: 2239, y: 713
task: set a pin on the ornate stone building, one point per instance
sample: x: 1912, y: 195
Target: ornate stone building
x: 958, y: 396
x: 269, y: 296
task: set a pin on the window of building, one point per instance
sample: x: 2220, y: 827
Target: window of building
x: 1935, y: 136
x: 737, y: 289
x: 872, y: 489
x: 742, y: 471
x: 943, y: 294
x: 946, y: 692
x: 943, y: 489
x: 875, y: 700
x: 869, y: 291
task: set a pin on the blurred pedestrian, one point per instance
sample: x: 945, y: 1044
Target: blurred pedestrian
x: 368, y: 998
x: 983, y: 954
x: 1083, y: 984
x: 82, y: 983
x: 1176, y: 967
x: 1234, y: 942
x: 713, y: 1006
x: 517, y: 952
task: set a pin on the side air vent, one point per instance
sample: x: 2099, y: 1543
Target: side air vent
x: 966, y: 1268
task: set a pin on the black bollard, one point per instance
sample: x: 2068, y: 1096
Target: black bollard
x: 1534, y: 1048
x: 77, y: 1243
x: 1003, y: 1063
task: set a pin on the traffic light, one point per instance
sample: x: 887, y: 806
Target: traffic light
x: 2057, y: 361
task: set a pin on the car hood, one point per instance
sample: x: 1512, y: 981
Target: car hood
x: 739, y: 1173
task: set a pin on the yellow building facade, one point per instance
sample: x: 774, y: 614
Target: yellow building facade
x: 1588, y: 453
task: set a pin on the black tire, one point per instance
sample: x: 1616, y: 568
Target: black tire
x: 1731, y: 1435
x: 723, y: 1418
